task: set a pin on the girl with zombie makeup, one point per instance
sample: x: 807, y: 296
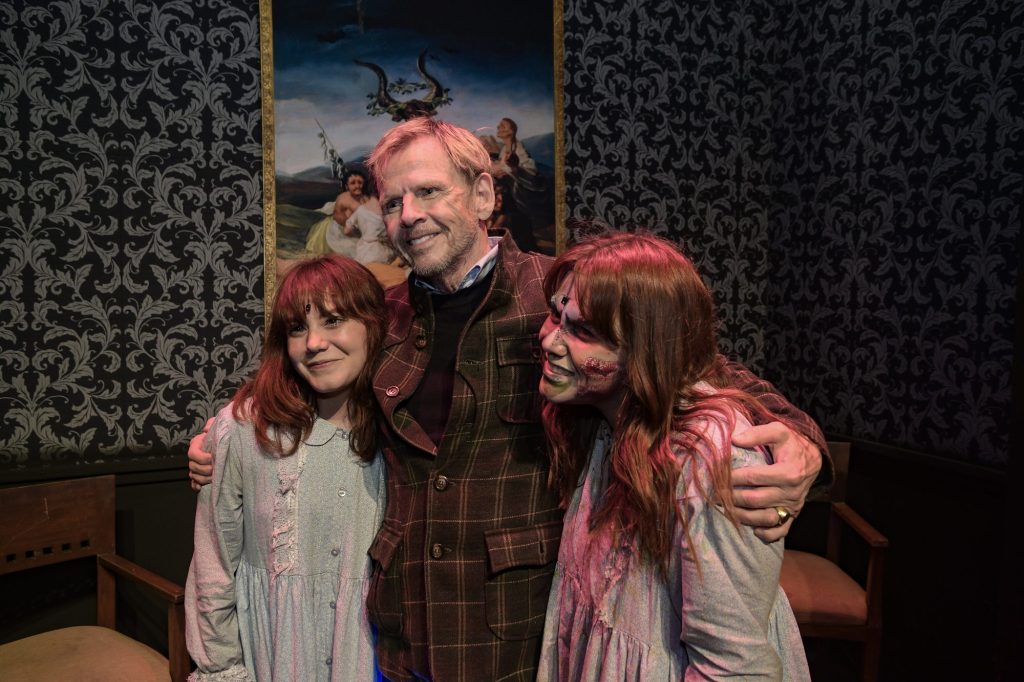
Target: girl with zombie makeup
x: 655, y: 578
x: 280, y: 570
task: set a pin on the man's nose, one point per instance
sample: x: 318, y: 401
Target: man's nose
x: 411, y: 212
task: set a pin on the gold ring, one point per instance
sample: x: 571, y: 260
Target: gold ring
x: 784, y: 515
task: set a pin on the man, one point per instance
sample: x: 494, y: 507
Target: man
x: 465, y: 555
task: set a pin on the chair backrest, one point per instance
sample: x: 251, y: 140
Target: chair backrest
x: 54, y: 522
x: 840, y: 451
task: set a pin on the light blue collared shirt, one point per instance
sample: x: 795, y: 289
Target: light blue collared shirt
x: 480, y: 270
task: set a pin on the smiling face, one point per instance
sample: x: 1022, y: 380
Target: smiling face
x: 433, y: 213
x: 328, y: 351
x: 580, y: 366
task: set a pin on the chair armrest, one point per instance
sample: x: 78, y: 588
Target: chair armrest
x: 855, y: 521
x: 169, y: 591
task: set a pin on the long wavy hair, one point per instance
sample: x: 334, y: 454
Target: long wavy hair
x: 279, y: 403
x: 648, y: 299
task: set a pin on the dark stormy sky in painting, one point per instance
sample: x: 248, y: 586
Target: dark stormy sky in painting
x: 495, y: 60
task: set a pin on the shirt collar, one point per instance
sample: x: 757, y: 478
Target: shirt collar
x: 481, y: 269
x: 323, y: 432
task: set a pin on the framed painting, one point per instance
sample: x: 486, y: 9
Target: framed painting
x: 337, y: 75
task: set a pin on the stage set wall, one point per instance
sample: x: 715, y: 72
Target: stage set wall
x: 847, y: 174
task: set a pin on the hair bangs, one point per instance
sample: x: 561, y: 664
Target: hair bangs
x: 319, y: 284
x: 601, y: 297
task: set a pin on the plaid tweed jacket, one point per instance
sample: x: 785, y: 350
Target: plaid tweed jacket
x: 464, y: 559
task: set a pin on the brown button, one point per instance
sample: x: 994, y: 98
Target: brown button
x: 421, y: 342
x: 391, y: 391
x: 437, y: 551
x: 441, y: 482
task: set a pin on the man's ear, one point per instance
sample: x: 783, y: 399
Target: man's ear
x: 483, y: 195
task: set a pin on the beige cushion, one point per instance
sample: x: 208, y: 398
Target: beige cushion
x: 820, y: 592
x: 83, y: 654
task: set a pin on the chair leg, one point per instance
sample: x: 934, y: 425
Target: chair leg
x: 872, y: 655
x: 177, y: 653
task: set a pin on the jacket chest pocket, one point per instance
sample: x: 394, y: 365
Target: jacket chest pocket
x: 518, y: 398
x: 384, y: 598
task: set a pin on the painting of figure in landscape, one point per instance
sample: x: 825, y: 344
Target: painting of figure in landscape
x: 344, y: 72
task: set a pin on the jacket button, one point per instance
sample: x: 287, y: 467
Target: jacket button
x: 440, y: 483
x: 437, y: 551
x: 391, y: 391
x: 421, y: 342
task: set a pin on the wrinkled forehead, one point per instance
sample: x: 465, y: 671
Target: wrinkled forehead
x: 427, y: 158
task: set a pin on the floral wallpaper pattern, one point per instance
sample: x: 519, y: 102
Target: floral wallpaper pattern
x: 847, y: 174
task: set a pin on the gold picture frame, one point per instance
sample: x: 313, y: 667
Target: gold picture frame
x: 270, y: 158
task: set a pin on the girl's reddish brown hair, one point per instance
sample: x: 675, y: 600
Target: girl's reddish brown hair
x: 279, y: 402
x: 647, y: 298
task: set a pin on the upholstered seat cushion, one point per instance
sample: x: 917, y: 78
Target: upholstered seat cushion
x: 819, y: 591
x: 84, y: 654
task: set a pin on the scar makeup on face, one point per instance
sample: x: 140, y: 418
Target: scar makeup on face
x: 599, y: 369
x: 600, y: 376
x: 580, y: 366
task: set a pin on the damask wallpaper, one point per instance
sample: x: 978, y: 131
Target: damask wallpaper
x: 130, y: 228
x: 848, y: 175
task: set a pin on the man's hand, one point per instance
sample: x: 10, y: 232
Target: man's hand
x: 763, y: 493
x: 200, y: 462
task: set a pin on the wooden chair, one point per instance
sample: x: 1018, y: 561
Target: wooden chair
x: 827, y: 602
x: 55, y: 522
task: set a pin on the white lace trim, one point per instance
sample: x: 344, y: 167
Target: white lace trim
x: 236, y: 673
x: 284, y: 543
